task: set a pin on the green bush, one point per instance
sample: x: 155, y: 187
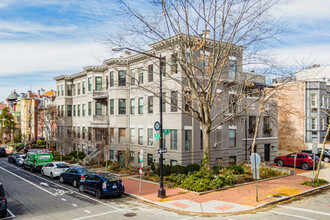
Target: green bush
x: 56, y: 153
x: 197, y: 184
x: 152, y: 166
x: 236, y: 169
x: 109, y: 163
x: 217, y: 183
x: 317, y: 182
x: 40, y: 142
x: 176, y: 178
x: 166, y: 170
x: 177, y: 169
x: 115, y: 166
x: 191, y: 168
x: 81, y: 154
x: 64, y: 158
x: 216, y: 169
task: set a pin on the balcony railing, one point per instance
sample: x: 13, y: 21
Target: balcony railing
x: 100, y: 94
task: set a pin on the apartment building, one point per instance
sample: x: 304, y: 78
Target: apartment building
x: 304, y: 105
x: 104, y: 107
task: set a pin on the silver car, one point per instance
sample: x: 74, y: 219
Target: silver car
x: 20, y: 159
x: 54, y: 169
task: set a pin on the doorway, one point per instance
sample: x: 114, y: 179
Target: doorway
x: 267, y: 152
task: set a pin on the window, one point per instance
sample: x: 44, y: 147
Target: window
x: 232, y: 69
x: 132, y: 106
x: 78, y: 110
x: 150, y: 104
x: 69, y: 109
x: 121, y: 78
x: 232, y: 160
x: 58, y: 90
x: 98, y: 108
x: 69, y: 89
x: 232, y: 138
x: 201, y: 140
x: 232, y: 105
x: 122, y: 135
x: 62, y: 110
x: 89, y: 133
x: 314, y: 123
x: 132, y: 77
x: 174, y: 101
x: 90, y: 84
x: 89, y: 108
x: 252, y: 124
x: 163, y: 102
x: 323, y: 124
x: 112, y: 106
x: 98, y: 83
x: 140, y: 136
x: 112, y: 157
x: 83, y: 132
x: 122, y: 106
x: 74, y: 89
x: 140, y: 76
x: 139, y: 160
x: 150, y: 136
x: 107, y: 82
x: 174, y: 139
x: 78, y: 132
x: 74, y: 110
x: 131, y: 156
x: 150, y: 159
x: 78, y: 88
x: 84, y: 87
x: 173, y: 162
x: 112, y: 80
x: 163, y: 66
x: 83, y: 110
x: 322, y: 101
x: 174, y: 64
x: 313, y: 97
x: 187, y: 140
x: 112, y: 135
x: 132, y: 136
x: 140, y: 105
x: 62, y: 91
x: 204, y: 63
x: 150, y: 73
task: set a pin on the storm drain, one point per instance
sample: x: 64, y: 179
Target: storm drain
x: 277, y: 196
x: 130, y: 214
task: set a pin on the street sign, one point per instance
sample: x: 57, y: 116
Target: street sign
x: 157, y: 136
x: 141, y: 156
x: 166, y: 131
x: 157, y: 126
x: 162, y: 151
x: 255, y: 161
x: 140, y: 171
x: 314, y: 149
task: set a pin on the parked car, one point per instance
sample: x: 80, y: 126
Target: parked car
x: 3, y: 152
x: 74, y: 174
x: 303, y: 160
x: 35, y: 160
x: 326, y: 155
x: 12, y: 157
x: 20, y: 159
x: 54, y: 169
x: 101, y: 185
x: 3, y: 202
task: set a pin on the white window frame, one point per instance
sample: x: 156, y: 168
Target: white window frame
x: 314, y: 125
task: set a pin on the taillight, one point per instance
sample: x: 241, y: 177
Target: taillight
x: 82, y: 177
x: 104, y: 185
x: 35, y: 163
x: 3, y: 199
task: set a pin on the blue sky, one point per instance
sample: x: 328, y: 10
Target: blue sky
x: 40, y: 39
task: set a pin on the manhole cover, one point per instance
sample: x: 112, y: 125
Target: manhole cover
x: 277, y: 196
x: 130, y: 214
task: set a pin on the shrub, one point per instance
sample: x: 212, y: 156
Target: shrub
x: 217, y: 183
x: 177, y: 169
x: 176, y: 178
x: 228, y: 178
x: 191, y: 168
x: 317, y: 182
x: 56, y: 153
x: 166, y: 170
x: 236, y: 169
x: 152, y: 166
x: 115, y: 166
x: 197, y: 184
x: 216, y: 169
x: 109, y: 162
x: 267, y: 172
x: 40, y: 142
x: 81, y: 154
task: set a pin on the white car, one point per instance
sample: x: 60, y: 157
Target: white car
x: 54, y: 169
x: 20, y: 159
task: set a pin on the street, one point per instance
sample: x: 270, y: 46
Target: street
x: 31, y: 196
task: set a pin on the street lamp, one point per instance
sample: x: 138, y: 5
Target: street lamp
x: 161, y: 190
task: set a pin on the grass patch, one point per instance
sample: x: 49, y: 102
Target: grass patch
x: 317, y: 182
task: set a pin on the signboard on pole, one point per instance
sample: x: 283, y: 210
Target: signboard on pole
x: 162, y: 151
x: 140, y: 169
x: 166, y: 131
x: 157, y: 126
x: 255, y: 161
x: 157, y: 136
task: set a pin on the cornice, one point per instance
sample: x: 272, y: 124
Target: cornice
x: 96, y: 68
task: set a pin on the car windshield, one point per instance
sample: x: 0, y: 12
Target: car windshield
x: 312, y: 156
x: 22, y: 156
x: 62, y: 165
x: 109, y: 177
x: 85, y: 170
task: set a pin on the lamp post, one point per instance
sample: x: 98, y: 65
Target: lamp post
x: 161, y: 190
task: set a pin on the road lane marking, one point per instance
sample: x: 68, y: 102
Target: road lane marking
x: 44, y: 178
x: 28, y: 181
x: 89, y: 212
x: 63, y: 199
x: 9, y: 217
x: 295, y: 216
x: 92, y: 216
x: 75, y: 205
x: 44, y: 184
x: 305, y: 210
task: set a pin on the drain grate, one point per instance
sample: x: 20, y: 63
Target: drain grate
x: 129, y: 214
x: 277, y: 196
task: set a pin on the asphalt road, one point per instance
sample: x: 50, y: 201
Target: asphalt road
x: 31, y: 196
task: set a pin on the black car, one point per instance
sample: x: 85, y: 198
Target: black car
x: 3, y: 202
x: 3, y: 152
x: 12, y: 158
x: 74, y: 174
x: 326, y: 155
x: 101, y: 185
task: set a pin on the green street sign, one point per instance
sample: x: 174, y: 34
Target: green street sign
x: 157, y: 136
x: 166, y: 131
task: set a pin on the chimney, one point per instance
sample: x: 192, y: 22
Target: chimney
x: 127, y: 53
x: 314, y: 66
x: 252, y: 72
x: 206, y: 33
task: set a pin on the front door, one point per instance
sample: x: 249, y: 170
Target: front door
x: 121, y: 159
x: 267, y: 152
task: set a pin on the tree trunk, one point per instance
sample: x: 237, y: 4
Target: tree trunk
x: 206, y: 146
x: 320, y: 160
x: 255, y: 133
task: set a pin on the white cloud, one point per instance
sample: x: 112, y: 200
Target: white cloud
x: 34, y: 57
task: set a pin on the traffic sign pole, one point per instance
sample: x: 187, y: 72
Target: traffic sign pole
x: 140, y: 169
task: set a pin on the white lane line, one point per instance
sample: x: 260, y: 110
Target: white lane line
x: 304, y: 210
x: 9, y: 217
x: 92, y: 216
x: 63, y: 199
x: 28, y: 181
x: 295, y: 216
x: 75, y: 205
x: 95, y: 200
x: 189, y: 218
x: 89, y: 212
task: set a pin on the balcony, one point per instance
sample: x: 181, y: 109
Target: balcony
x: 100, y: 121
x: 100, y: 94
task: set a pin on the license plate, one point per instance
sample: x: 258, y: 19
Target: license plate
x: 114, y: 187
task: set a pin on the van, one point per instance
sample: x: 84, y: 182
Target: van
x: 36, y: 159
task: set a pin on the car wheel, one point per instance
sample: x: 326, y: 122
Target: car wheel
x: 280, y: 163
x: 42, y: 173
x: 51, y: 176
x: 327, y: 159
x: 61, y: 179
x: 97, y: 194
x: 81, y: 188
x: 305, y: 166
x: 75, y: 183
x: 31, y: 169
x: 3, y: 213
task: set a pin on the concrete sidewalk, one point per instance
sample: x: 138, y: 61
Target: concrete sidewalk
x: 236, y: 199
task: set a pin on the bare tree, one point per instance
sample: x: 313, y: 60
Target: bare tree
x: 47, y: 118
x: 211, y: 63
